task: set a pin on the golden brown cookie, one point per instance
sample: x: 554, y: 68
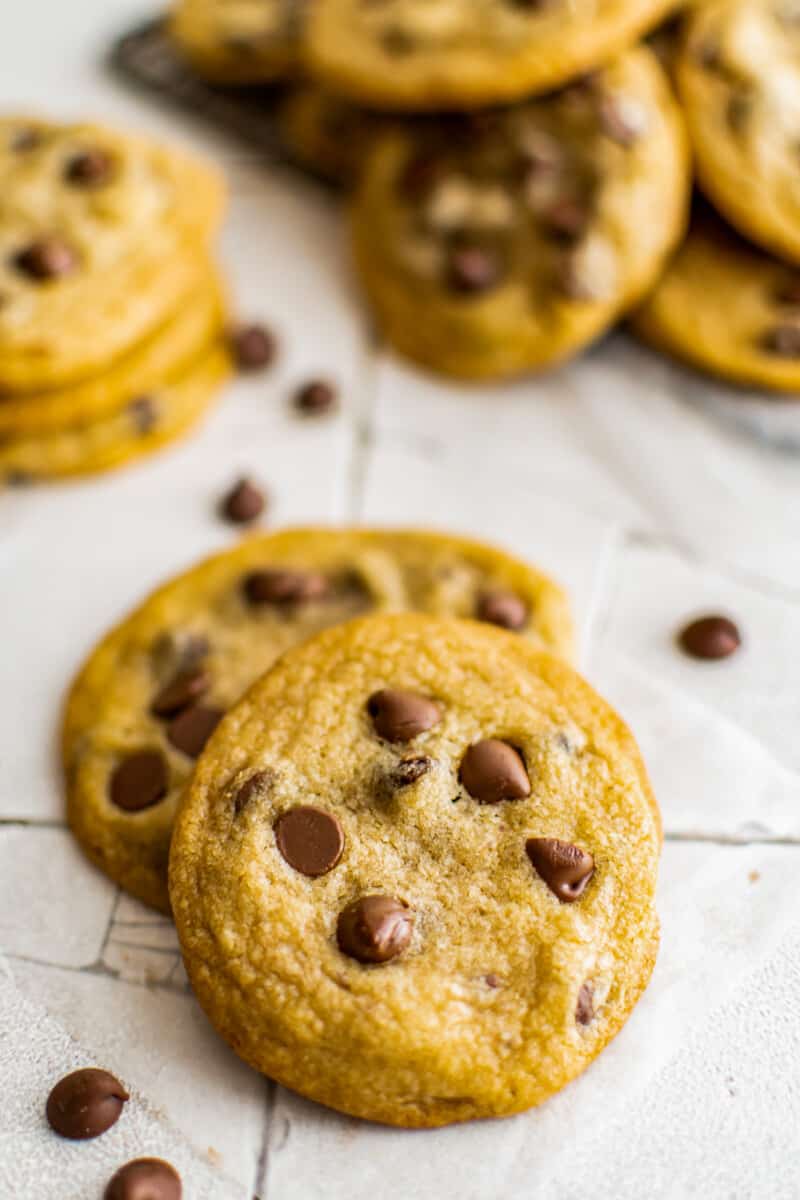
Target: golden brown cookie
x: 739, y: 82
x: 326, y: 134
x: 464, y: 54
x: 239, y: 41
x: 100, y: 235
x: 413, y: 876
x: 505, y: 242
x: 145, y: 701
x: 727, y: 308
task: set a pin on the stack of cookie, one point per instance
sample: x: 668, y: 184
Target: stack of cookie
x: 413, y: 863
x: 490, y: 240
x: 111, y: 309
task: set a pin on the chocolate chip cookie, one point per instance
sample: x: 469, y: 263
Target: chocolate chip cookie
x: 727, y: 308
x: 504, y: 242
x: 239, y: 41
x: 144, y: 704
x: 326, y: 134
x: 99, y: 241
x: 739, y: 81
x: 459, y: 54
x: 414, y: 873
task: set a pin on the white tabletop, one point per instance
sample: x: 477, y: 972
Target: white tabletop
x: 620, y: 477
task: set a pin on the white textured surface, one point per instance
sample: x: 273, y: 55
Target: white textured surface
x: 613, y: 475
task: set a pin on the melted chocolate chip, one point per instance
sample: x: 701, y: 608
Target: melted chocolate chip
x: 399, y: 716
x: 191, y: 729
x: 256, y: 785
x: 315, y: 398
x: 584, y: 1008
x: 505, y: 609
x: 85, y: 1104
x: 397, y: 42
x: 374, y: 929
x: 144, y: 413
x: 566, y: 869
x: 253, y: 347
x: 710, y: 637
x: 782, y: 340
x: 281, y: 585
x: 409, y: 770
x: 788, y: 291
x: 471, y: 270
x: 310, y: 839
x: 243, y: 504
x: 180, y: 692
x: 91, y: 169
x: 493, y: 771
x: 139, y: 781
x: 145, y: 1179
x: 568, y: 217
x: 420, y: 175
x: 46, y: 259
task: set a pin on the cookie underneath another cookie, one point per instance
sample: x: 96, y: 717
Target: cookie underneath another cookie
x: 428, y: 945
x: 238, y: 41
x: 727, y: 308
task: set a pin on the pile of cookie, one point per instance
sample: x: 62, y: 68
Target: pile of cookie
x: 112, y: 314
x: 521, y: 171
x: 411, y: 855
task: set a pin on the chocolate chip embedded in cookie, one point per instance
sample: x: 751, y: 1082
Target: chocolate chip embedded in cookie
x: 497, y: 246
x: 247, y: 41
x: 150, y: 696
x: 360, y: 892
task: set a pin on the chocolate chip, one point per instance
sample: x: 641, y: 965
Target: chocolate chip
x: 738, y: 110
x: 566, y: 869
x: 419, y: 175
x: 374, y: 929
x: 788, y: 291
x: 85, y: 1104
x: 91, y: 169
x: 397, y: 42
x: 145, y: 1179
x: 309, y: 839
x: 399, y: 716
x: 568, y: 217
x: 472, y: 269
x: 584, y: 1008
x: 492, y: 771
x: 145, y: 413
x: 180, y: 692
x: 783, y: 340
x: 493, y: 981
x: 502, y: 608
x: 48, y: 258
x: 19, y: 478
x: 710, y: 637
x: 191, y: 729
x: 243, y: 503
x: 26, y: 139
x: 255, y: 785
x: 315, y: 398
x: 253, y: 347
x: 280, y: 585
x: 409, y: 770
x: 139, y: 781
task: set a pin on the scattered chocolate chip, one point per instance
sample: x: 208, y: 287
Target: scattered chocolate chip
x: 492, y: 771
x: 374, y: 929
x: 144, y: 413
x: 85, y: 1104
x: 139, y: 781
x: 622, y: 118
x: 472, y: 269
x: 399, y: 716
x: 281, y: 585
x: 409, y: 770
x: 90, y: 169
x: 145, y: 1179
x: 256, y: 784
x: 710, y: 637
x: 502, y: 608
x: 584, y: 1008
x: 191, y: 729
x: 309, y: 839
x: 315, y: 398
x: 253, y: 347
x: 243, y: 504
x: 180, y: 692
x: 47, y: 258
x: 783, y: 340
x: 566, y: 869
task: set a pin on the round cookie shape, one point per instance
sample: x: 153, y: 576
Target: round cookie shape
x: 727, y: 308
x: 440, y: 970
x: 92, y: 260
x: 206, y: 636
x: 738, y: 77
x: 239, y: 41
x: 436, y: 55
x: 505, y: 242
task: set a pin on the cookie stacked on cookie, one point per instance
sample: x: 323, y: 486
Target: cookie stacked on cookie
x: 507, y: 159
x: 111, y: 308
